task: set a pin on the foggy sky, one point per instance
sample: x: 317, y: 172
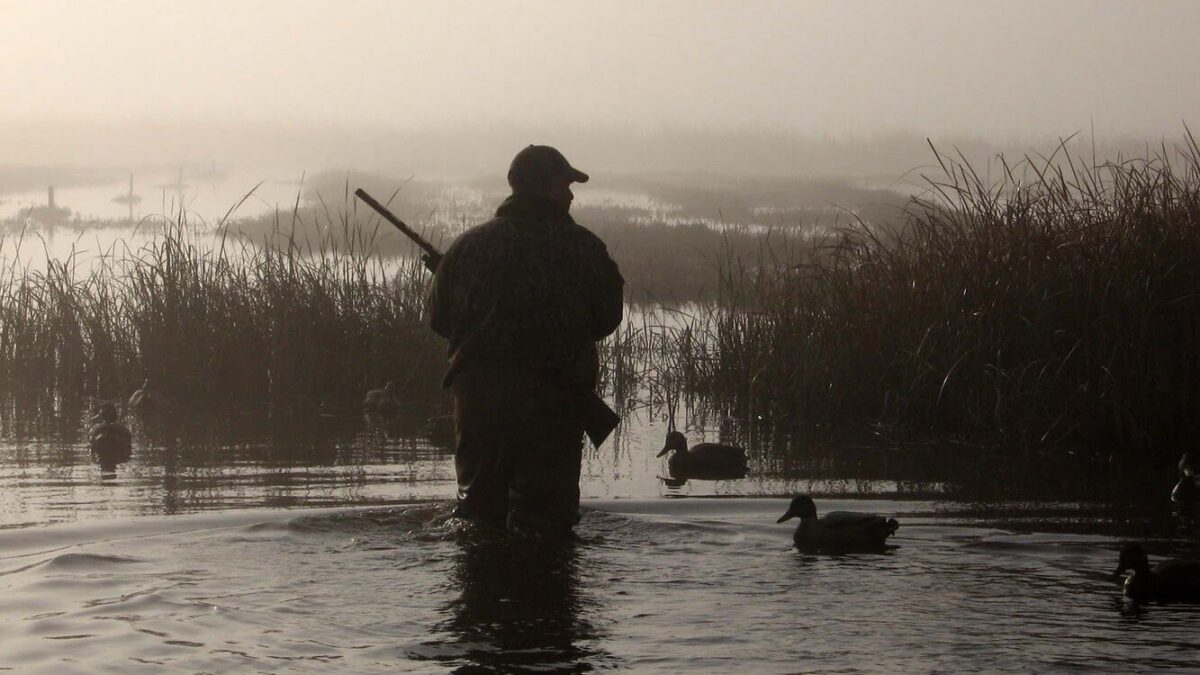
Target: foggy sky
x: 1009, y: 68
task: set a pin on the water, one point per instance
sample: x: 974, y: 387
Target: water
x: 209, y: 197
x: 326, y: 544
x: 335, y: 550
x: 651, y: 586
x: 205, y: 197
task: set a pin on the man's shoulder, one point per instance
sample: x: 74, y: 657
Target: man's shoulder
x: 495, y: 226
x: 479, y: 232
x: 584, y: 238
x: 506, y: 234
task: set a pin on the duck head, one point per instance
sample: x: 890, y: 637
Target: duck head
x: 107, y: 413
x: 802, y: 507
x: 675, y: 441
x: 1133, y: 558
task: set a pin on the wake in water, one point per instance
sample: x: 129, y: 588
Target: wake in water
x: 652, y: 586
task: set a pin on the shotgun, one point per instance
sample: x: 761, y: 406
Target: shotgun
x: 432, y: 256
x: 599, y: 420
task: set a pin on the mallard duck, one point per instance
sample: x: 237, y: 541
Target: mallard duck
x: 839, y: 530
x: 109, y: 439
x: 705, y: 461
x: 384, y: 401
x: 1185, y: 491
x: 147, y: 402
x: 1168, y: 581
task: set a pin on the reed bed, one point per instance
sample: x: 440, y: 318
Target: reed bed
x: 283, y: 325
x: 1055, y: 308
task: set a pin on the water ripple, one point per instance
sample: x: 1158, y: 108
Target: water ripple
x: 709, y: 585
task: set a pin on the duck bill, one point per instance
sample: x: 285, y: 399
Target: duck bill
x: 787, y: 516
x: 664, y: 451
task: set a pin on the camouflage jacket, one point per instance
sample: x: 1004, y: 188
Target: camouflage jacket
x: 528, y: 290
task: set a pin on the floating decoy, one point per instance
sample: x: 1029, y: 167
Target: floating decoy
x: 1185, y: 491
x: 382, y: 401
x: 838, y: 530
x: 109, y: 439
x: 704, y: 461
x: 1169, y: 581
x: 147, y: 402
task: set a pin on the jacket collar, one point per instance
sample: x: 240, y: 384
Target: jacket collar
x: 533, y: 207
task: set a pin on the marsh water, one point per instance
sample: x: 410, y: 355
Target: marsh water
x: 332, y: 547
x: 323, y: 541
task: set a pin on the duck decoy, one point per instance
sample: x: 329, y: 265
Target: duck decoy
x: 838, y: 530
x: 1169, y: 581
x: 148, y: 402
x: 703, y: 461
x: 109, y: 439
x: 1185, y: 492
x: 384, y: 401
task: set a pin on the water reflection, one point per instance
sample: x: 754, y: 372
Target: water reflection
x: 520, y: 607
x: 108, y: 459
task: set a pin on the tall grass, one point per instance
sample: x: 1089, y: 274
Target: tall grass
x: 217, y: 322
x: 1054, y: 307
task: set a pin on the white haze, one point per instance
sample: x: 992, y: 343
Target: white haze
x: 346, y: 82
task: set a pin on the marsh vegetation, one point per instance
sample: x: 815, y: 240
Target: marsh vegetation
x: 1049, y: 313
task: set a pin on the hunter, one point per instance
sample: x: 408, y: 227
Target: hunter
x: 523, y: 299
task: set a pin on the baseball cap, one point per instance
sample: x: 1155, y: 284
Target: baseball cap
x: 537, y: 163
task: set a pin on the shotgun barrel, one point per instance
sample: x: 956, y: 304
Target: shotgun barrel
x: 432, y: 256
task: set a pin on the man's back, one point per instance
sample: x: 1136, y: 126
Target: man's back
x: 529, y: 290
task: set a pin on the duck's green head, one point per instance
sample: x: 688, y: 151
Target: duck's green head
x: 675, y: 441
x: 802, y: 507
x: 1133, y: 557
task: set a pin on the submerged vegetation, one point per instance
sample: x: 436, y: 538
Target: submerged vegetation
x: 1053, y: 310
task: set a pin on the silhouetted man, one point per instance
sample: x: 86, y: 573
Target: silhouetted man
x: 523, y: 299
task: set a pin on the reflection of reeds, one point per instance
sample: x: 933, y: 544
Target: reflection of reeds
x: 218, y: 322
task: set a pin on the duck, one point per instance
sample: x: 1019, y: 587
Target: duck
x: 147, y: 402
x: 838, y: 530
x: 1185, y: 491
x: 109, y: 439
x: 1172, y: 580
x: 383, y: 401
x: 704, y: 461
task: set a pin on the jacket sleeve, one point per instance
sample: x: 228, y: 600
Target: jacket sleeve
x: 440, y: 303
x: 609, y: 303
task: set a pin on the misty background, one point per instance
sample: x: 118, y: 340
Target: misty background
x: 455, y: 88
